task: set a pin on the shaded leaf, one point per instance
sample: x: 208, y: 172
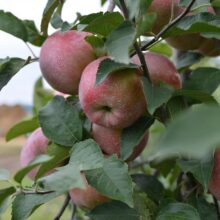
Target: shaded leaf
x: 5, y: 195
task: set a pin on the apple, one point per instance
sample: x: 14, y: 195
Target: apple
x: 116, y: 102
x: 63, y: 57
x: 161, y: 69
x: 35, y: 145
x: 109, y: 141
x: 88, y: 197
x: 214, y: 181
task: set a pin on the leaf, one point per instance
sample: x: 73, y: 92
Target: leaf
x: 56, y: 20
x: 204, y: 79
x: 86, y: 155
x: 201, y: 169
x: 114, y: 210
x: 162, y: 48
x: 194, y: 133
x: 4, y: 174
x: 60, y: 122
x: 4, y: 197
x: 59, y: 154
x: 110, y: 21
x: 12, y: 25
x: 23, y: 127
x: 33, y: 34
x: 187, y: 59
x: 8, y: 68
x: 19, y: 176
x: 178, y: 211
x: 64, y: 179
x: 132, y: 136
x: 24, y: 204
x: 112, y: 180
x: 150, y: 185
x: 108, y: 66
x: 155, y: 95
x: 119, y: 42
x: 47, y: 14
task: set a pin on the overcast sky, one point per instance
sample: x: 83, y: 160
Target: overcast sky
x: 19, y: 89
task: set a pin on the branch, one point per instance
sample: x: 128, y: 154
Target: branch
x: 111, y: 6
x: 65, y: 204
x: 216, y: 207
x: 73, y: 217
x: 136, y: 47
x: 168, y: 26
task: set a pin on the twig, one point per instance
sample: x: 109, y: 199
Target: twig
x: 168, y: 26
x: 136, y: 46
x: 111, y: 6
x: 73, y: 217
x: 29, y: 48
x: 65, y: 204
x: 216, y: 207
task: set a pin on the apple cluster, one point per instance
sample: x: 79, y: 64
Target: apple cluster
x: 69, y: 64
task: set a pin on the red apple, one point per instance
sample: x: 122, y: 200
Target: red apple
x: 214, y: 182
x: 63, y: 57
x: 161, y: 69
x: 87, y: 198
x: 36, y: 144
x: 109, y: 141
x: 117, y: 102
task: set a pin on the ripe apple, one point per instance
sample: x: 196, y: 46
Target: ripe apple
x: 109, y: 141
x: 63, y: 57
x: 161, y: 69
x: 116, y: 102
x: 35, y: 145
x: 214, y: 181
x: 88, y: 197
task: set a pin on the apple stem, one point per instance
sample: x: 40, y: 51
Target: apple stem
x: 111, y: 6
x: 216, y: 207
x: 65, y: 204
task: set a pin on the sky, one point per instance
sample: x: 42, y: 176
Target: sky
x: 20, y: 88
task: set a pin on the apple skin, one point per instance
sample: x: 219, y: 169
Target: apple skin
x: 116, y: 102
x: 88, y: 198
x: 63, y: 57
x: 35, y: 145
x: 214, y: 181
x: 109, y: 141
x: 161, y: 69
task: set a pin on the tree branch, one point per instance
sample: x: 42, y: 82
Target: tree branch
x: 73, y: 217
x: 65, y: 204
x: 168, y: 26
x: 111, y: 6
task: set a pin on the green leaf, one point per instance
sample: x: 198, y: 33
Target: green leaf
x: 112, y: 180
x: 60, y: 122
x: 150, y: 185
x: 187, y: 59
x: 114, y: 210
x: 108, y: 66
x: 132, y: 135
x: 64, y: 179
x: 162, y: 48
x: 19, y: 176
x: 47, y: 14
x: 5, y: 195
x: 24, y: 204
x: 110, y: 21
x: 86, y: 155
x: 97, y: 44
x: 133, y: 8
x: 56, y: 20
x: 119, y: 42
x: 194, y: 132
x: 201, y: 169
x: 41, y: 96
x: 59, y: 154
x: 178, y: 211
x: 4, y: 174
x: 33, y: 34
x: 204, y: 79
x: 156, y: 95
x: 8, y: 68
x: 23, y: 127
x: 12, y: 25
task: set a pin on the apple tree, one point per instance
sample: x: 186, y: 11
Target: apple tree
x: 131, y: 129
